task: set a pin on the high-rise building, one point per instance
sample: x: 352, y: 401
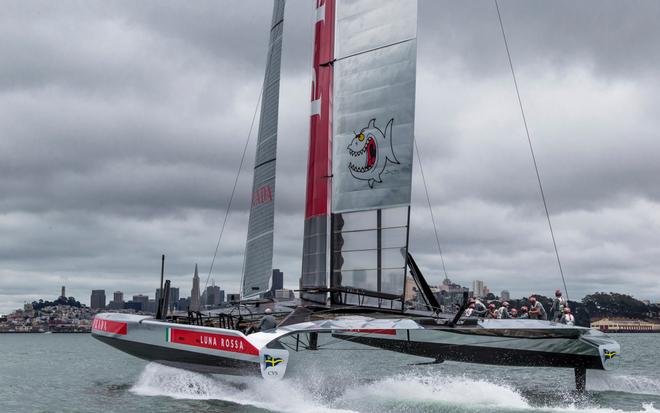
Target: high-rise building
x: 142, y: 301
x: 174, y: 297
x: 194, y: 293
x: 278, y: 280
x: 117, y: 302
x: 505, y: 295
x: 214, y: 296
x: 478, y: 288
x: 233, y: 298
x: 451, y: 293
x: 183, y: 304
x: 63, y: 295
x: 97, y: 299
x: 485, y: 291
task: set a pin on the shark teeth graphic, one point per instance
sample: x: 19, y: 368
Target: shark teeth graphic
x: 362, y: 158
x: 358, y: 153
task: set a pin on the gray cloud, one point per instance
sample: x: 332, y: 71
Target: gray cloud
x: 122, y: 124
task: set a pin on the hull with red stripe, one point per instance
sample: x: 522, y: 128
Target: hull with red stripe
x: 196, y: 348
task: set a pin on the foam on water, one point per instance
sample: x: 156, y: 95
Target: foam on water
x: 159, y: 380
x: 402, y: 393
x: 605, y: 381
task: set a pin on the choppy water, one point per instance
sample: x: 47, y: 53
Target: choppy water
x: 75, y: 373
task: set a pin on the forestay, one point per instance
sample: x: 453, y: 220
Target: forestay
x: 257, y: 270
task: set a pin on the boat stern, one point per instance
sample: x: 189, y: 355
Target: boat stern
x: 608, y: 349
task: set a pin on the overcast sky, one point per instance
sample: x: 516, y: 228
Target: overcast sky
x: 122, y: 123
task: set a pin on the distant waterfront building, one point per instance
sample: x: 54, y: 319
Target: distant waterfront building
x: 233, y: 298
x: 194, y: 293
x: 625, y: 325
x: 505, y: 295
x: 97, y: 299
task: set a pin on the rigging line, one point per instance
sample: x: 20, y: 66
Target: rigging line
x: 428, y: 200
x: 531, y: 148
x: 233, y: 191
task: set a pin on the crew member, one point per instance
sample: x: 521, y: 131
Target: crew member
x: 567, y: 318
x: 479, y: 308
x: 503, y: 312
x: 537, y: 311
x: 523, y: 312
x: 492, y: 312
x: 469, y: 311
x: 267, y: 321
x: 514, y: 313
x: 558, y: 304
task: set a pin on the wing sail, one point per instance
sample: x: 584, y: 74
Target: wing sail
x: 257, y: 271
x: 373, y: 132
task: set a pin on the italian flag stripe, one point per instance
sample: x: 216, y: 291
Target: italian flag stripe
x: 167, y: 335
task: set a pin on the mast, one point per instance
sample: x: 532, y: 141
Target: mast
x: 319, y: 168
x: 257, y: 270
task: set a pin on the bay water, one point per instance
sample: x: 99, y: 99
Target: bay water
x: 75, y: 373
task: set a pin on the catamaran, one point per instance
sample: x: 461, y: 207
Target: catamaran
x: 355, y: 259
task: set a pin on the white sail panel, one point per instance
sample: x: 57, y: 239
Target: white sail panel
x: 373, y: 104
x: 373, y: 138
x: 364, y: 25
x: 257, y: 270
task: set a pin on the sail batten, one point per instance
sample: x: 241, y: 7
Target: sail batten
x: 257, y: 271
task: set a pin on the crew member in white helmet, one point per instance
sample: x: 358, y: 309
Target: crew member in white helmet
x: 567, y: 318
x: 503, y: 312
x: 558, y: 304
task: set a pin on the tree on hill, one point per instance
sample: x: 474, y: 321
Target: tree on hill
x: 38, y: 305
x: 614, y: 305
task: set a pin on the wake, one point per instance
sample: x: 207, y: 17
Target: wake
x: 402, y: 393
